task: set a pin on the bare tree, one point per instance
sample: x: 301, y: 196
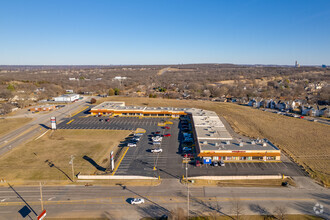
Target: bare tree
x: 178, y: 214
x: 237, y: 207
x: 280, y: 213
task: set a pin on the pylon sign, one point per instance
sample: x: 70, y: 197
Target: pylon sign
x: 112, y: 161
x: 42, y: 215
x: 53, y: 123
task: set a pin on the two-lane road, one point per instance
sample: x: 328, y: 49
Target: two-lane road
x: 26, y: 132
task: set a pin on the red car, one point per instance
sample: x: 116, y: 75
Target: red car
x: 188, y: 156
x: 167, y: 127
x: 157, y: 132
x: 167, y: 135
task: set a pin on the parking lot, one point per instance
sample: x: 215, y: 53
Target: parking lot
x: 140, y: 161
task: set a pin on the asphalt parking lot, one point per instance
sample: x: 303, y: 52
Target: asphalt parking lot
x: 140, y: 161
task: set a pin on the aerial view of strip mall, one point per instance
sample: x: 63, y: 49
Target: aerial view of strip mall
x: 154, y: 110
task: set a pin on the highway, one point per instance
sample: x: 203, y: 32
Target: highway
x: 112, y: 202
x: 31, y: 129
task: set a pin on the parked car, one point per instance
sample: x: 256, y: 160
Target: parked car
x: 156, y: 143
x: 186, y: 149
x: 136, y: 138
x: 221, y: 163
x: 157, y: 132
x: 131, y: 145
x: 167, y: 135
x: 107, y: 119
x: 167, y: 127
x: 137, y: 201
x: 157, y: 150
x: 188, y: 155
x: 101, y: 120
x: 215, y: 163
x: 157, y: 138
x: 197, y: 163
x: 139, y: 134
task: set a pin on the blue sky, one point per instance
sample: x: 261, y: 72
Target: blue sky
x: 104, y: 32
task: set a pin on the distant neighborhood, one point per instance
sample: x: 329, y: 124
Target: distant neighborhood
x: 297, y: 89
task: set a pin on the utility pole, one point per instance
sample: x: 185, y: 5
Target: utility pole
x: 71, y: 162
x: 187, y: 190
x: 42, y: 205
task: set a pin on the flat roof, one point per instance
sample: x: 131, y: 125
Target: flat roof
x: 252, y: 145
x: 212, y: 133
x: 108, y: 105
x: 67, y: 95
x: 120, y: 106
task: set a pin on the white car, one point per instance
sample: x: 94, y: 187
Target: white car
x: 136, y: 138
x: 157, y: 150
x: 131, y: 145
x: 137, y: 201
x: 157, y: 138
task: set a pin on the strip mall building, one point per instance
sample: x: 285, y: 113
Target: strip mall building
x: 212, y: 140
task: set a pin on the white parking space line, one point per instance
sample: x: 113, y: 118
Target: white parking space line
x: 266, y: 165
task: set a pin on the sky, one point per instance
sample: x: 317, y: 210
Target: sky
x: 106, y: 32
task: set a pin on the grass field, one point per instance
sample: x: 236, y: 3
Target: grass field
x: 10, y: 124
x: 306, y: 142
x: 242, y: 183
x: 48, y: 157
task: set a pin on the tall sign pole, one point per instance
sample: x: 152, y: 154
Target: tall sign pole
x: 53, y: 123
x: 112, y: 161
x: 42, y: 204
x: 71, y: 162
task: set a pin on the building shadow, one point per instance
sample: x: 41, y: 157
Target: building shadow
x: 25, y: 211
x: 51, y: 164
x: 44, y: 126
x: 91, y: 161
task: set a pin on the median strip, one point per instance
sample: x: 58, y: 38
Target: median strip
x: 76, y: 113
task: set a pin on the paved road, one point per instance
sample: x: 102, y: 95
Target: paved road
x: 112, y: 202
x: 9, y: 141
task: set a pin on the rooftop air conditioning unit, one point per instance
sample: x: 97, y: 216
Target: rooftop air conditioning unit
x: 264, y: 144
x: 204, y: 142
x: 253, y: 142
x: 241, y: 144
x: 216, y: 144
x: 227, y: 142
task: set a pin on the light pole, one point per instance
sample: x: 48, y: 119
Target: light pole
x: 187, y: 190
x: 71, y: 162
x: 42, y: 204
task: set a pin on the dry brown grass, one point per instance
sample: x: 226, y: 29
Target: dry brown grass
x: 306, y: 142
x: 10, y: 124
x: 243, y: 183
x: 28, y: 162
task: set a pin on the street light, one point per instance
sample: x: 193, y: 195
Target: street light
x: 187, y: 188
x: 71, y: 162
